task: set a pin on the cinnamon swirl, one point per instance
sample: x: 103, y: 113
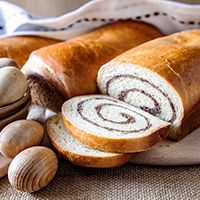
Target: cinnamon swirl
x: 107, y: 124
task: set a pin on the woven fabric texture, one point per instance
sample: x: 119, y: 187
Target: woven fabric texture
x: 134, y: 182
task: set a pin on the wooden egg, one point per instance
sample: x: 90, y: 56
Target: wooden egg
x: 12, y: 108
x: 13, y: 85
x: 33, y: 169
x: 4, y: 62
x: 20, y: 114
x: 4, y: 164
x: 20, y: 135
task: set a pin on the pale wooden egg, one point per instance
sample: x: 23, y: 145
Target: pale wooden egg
x: 4, y: 62
x: 33, y: 169
x: 20, y: 135
x: 13, y: 85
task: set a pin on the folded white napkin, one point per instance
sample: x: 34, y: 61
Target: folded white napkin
x: 168, y: 16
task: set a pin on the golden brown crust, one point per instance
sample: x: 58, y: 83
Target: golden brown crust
x: 72, y: 66
x: 20, y: 47
x: 176, y: 58
x: 85, y: 160
x: 126, y: 145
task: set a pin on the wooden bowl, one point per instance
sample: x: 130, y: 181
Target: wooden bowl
x: 14, y: 107
x: 21, y: 114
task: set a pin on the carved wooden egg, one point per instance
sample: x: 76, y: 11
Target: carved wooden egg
x: 13, y: 85
x: 33, y: 169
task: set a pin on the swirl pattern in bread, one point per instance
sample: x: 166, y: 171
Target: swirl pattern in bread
x: 108, y: 124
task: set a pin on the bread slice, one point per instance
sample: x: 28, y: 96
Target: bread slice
x: 76, y: 152
x: 107, y: 124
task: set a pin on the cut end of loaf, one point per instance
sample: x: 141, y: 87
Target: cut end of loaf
x: 44, y: 93
x: 142, y: 88
x: 78, y: 153
x: 42, y: 88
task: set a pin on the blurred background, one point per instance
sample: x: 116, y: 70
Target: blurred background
x: 48, y: 8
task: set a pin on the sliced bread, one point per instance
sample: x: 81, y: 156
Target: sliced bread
x: 161, y: 77
x: 107, y: 124
x: 79, y: 154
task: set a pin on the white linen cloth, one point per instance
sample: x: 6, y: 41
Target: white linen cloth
x: 168, y: 16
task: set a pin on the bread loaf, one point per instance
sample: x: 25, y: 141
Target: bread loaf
x: 20, y: 47
x: 68, y: 69
x: 78, y: 153
x: 107, y: 124
x: 162, y: 77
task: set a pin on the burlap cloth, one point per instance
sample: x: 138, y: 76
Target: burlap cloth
x: 135, y: 182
